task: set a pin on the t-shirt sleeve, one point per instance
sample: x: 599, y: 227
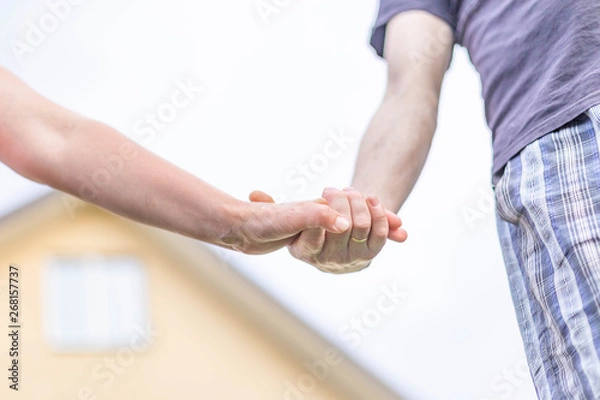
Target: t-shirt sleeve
x: 390, y: 8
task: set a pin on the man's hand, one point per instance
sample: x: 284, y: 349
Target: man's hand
x: 353, y: 249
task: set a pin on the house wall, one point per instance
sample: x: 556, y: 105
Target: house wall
x: 203, y: 349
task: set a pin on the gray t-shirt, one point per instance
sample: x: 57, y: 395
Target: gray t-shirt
x: 539, y: 61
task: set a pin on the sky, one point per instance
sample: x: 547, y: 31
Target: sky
x: 269, y: 84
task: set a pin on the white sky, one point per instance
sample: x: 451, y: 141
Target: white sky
x: 273, y: 91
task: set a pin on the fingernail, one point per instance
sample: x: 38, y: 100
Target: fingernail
x: 342, y: 224
x: 373, y: 201
x: 349, y: 189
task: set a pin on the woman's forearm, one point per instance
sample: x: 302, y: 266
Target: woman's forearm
x: 101, y: 166
x: 88, y: 159
x: 54, y: 146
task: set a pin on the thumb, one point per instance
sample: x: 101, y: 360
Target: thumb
x: 260, y: 197
x: 314, y: 214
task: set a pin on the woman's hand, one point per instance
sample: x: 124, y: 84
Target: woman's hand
x: 262, y: 226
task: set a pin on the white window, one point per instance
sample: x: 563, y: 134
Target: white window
x: 94, y: 303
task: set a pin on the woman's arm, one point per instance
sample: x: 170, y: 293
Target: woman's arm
x: 54, y: 146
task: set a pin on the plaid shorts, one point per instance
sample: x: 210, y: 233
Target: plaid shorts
x: 548, y: 216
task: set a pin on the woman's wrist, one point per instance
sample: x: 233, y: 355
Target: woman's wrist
x: 231, y: 233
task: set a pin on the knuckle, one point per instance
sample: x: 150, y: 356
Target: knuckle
x: 344, y: 267
x: 380, y: 231
x: 362, y: 223
x: 333, y: 194
x: 296, y: 253
x: 354, y: 195
x: 303, y: 257
x: 379, y: 213
x: 325, y: 213
x: 374, y: 251
x: 247, y: 248
x: 308, y: 250
x: 329, y: 195
x: 325, y: 269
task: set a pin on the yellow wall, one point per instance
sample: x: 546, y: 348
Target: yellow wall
x: 204, y: 350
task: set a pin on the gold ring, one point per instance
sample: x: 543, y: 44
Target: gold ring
x: 358, y: 240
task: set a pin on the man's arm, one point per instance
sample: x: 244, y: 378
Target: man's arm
x: 418, y: 48
x: 54, y: 146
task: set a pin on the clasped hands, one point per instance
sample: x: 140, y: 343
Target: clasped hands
x: 338, y: 233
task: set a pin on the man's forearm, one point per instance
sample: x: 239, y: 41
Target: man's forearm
x: 418, y: 49
x: 394, y: 149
